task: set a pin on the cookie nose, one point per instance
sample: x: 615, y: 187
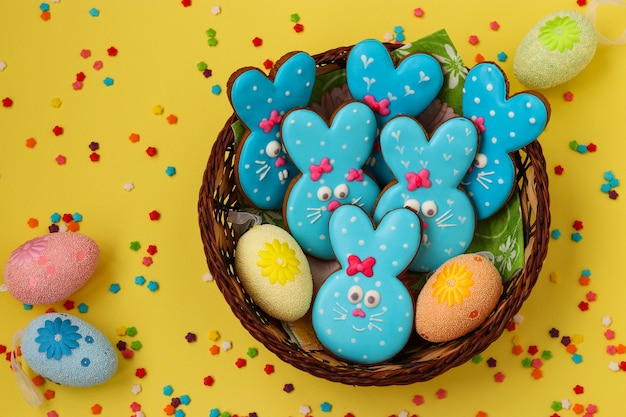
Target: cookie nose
x: 280, y: 161
x: 357, y: 312
x: 333, y: 205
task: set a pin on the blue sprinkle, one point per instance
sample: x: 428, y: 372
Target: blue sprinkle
x: 153, y: 286
x: 168, y: 390
x: 55, y: 218
x: 614, y: 182
x: 83, y: 308
x: 94, y: 12
x: 400, y: 37
x: 577, y: 237
x: 605, y: 188
x: 214, y: 413
x: 44, y: 7
x: 326, y: 407
x: 608, y: 175
x: 185, y: 400
x: 28, y: 306
x: 85, y: 362
x: 216, y: 89
x: 586, y: 273
x: 577, y: 358
x: 556, y: 233
x: 502, y: 56
x: 581, y: 149
x: 114, y: 288
x: 140, y: 280
x: 179, y: 413
x: 108, y: 81
x: 170, y: 171
x: 398, y: 29
x: 77, y: 217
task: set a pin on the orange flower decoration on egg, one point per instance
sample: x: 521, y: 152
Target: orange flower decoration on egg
x: 278, y: 262
x: 453, y: 284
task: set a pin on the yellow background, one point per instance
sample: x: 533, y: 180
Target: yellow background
x: 160, y: 43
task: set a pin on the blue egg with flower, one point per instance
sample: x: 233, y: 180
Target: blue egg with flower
x: 68, y: 351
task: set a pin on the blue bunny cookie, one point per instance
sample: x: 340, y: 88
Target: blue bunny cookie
x: 363, y: 312
x: 262, y: 170
x: 391, y: 90
x: 330, y: 159
x: 506, y: 124
x: 428, y: 174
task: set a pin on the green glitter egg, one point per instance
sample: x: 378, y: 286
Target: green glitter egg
x: 555, y: 50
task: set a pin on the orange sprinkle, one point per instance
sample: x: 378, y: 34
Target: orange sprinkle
x: 45, y: 16
x: 172, y: 119
x: 38, y: 380
x: 571, y: 348
x: 481, y: 414
x: 73, y: 226
x: 215, y: 349
x: 96, y: 409
x: 578, y: 408
x: 134, y: 137
x: 536, y: 373
x: 479, y: 58
x: 169, y: 409
x: 621, y: 349
x: 31, y: 142
x: 49, y: 394
x: 32, y: 222
x: 517, y: 350
x: 584, y: 280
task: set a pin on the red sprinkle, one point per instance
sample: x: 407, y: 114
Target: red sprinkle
x: 578, y: 225
x: 7, y: 102
x: 69, y: 305
x: 257, y: 41
x: 298, y: 27
x: 578, y: 389
x: 558, y: 170
x: 151, y: 249
x: 583, y: 306
x: 208, y: 380
x: 151, y: 151
x: 57, y: 130
x: 241, y: 362
x: 80, y: 76
x: 94, y: 157
x: 592, y: 147
x: 112, y: 51
x: 568, y: 96
x: 154, y: 215
x: 268, y: 64
x: 186, y: 3
x: 473, y: 40
x: 140, y: 372
x: 269, y: 369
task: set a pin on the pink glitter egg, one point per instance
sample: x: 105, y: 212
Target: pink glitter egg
x: 50, y: 268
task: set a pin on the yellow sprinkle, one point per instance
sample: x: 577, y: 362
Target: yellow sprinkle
x: 518, y: 340
x: 555, y: 277
x: 157, y: 110
x: 56, y: 103
x: 578, y: 338
x: 214, y: 335
x: 121, y: 331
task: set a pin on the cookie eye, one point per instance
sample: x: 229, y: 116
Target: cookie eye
x: 429, y: 208
x: 480, y: 161
x: 371, y: 299
x: 355, y: 294
x: 273, y: 148
x: 412, y: 204
x: 324, y: 193
x: 341, y: 191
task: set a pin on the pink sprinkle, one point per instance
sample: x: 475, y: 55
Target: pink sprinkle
x: 52, y: 414
x: 441, y: 393
x: 85, y: 53
x: 592, y: 408
x: 77, y: 85
x: 568, y: 96
x: 418, y: 400
x: 419, y: 12
x: 494, y: 25
x: 611, y: 350
x: 536, y: 363
x: 473, y: 40
x: 609, y: 334
x: 591, y: 296
x: 61, y: 160
x: 97, y: 65
x: 499, y: 377
x: 147, y: 260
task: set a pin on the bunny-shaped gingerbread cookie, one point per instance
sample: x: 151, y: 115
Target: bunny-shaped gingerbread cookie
x: 363, y: 312
x: 262, y: 170
x: 391, y: 90
x: 330, y: 159
x: 506, y: 125
x: 428, y: 173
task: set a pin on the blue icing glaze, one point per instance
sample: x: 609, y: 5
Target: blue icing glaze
x: 428, y: 173
x: 263, y: 170
x: 362, y: 312
x: 507, y: 124
x: 406, y: 89
x: 330, y: 159
x: 68, y: 350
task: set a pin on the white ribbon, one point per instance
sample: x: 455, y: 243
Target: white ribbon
x: 591, y: 14
x: 242, y: 221
x: 31, y: 393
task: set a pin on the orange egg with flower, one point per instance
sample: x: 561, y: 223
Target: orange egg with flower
x: 457, y: 298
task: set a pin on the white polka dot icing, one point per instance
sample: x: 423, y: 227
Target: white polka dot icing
x: 428, y: 173
x: 262, y: 169
x: 362, y: 312
x: 506, y: 125
x: 330, y: 159
x: 408, y: 89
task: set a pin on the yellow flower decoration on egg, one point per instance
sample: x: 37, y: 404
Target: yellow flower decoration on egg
x: 453, y: 284
x: 278, y: 262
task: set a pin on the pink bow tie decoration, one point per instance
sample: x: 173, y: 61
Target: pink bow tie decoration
x: 318, y: 170
x: 268, y: 124
x: 417, y: 180
x: 480, y: 124
x: 355, y: 265
x: 355, y: 175
x: 380, y: 107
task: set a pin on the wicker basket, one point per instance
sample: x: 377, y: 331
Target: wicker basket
x: 419, y: 360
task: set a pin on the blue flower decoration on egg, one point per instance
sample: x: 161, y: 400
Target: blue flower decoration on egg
x: 58, y: 338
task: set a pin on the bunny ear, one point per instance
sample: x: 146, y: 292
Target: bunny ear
x: 345, y: 143
x: 402, y: 142
x: 390, y: 247
x: 260, y: 101
x: 508, y: 123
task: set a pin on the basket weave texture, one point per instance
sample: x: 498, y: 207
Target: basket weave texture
x: 419, y: 360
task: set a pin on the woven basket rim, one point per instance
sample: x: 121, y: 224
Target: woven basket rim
x: 218, y: 195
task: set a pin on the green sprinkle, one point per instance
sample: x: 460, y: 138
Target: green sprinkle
x: 131, y: 331
x: 212, y: 42
x: 546, y: 354
x: 202, y: 66
x: 211, y: 33
x: 477, y: 359
x: 556, y: 405
x: 573, y: 145
x: 527, y: 362
x: 136, y: 345
x: 135, y: 245
x: 252, y: 352
x: 295, y: 17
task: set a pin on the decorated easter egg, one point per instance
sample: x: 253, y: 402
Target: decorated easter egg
x: 457, y: 298
x: 555, y: 50
x: 51, y: 267
x: 68, y: 350
x: 274, y: 271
